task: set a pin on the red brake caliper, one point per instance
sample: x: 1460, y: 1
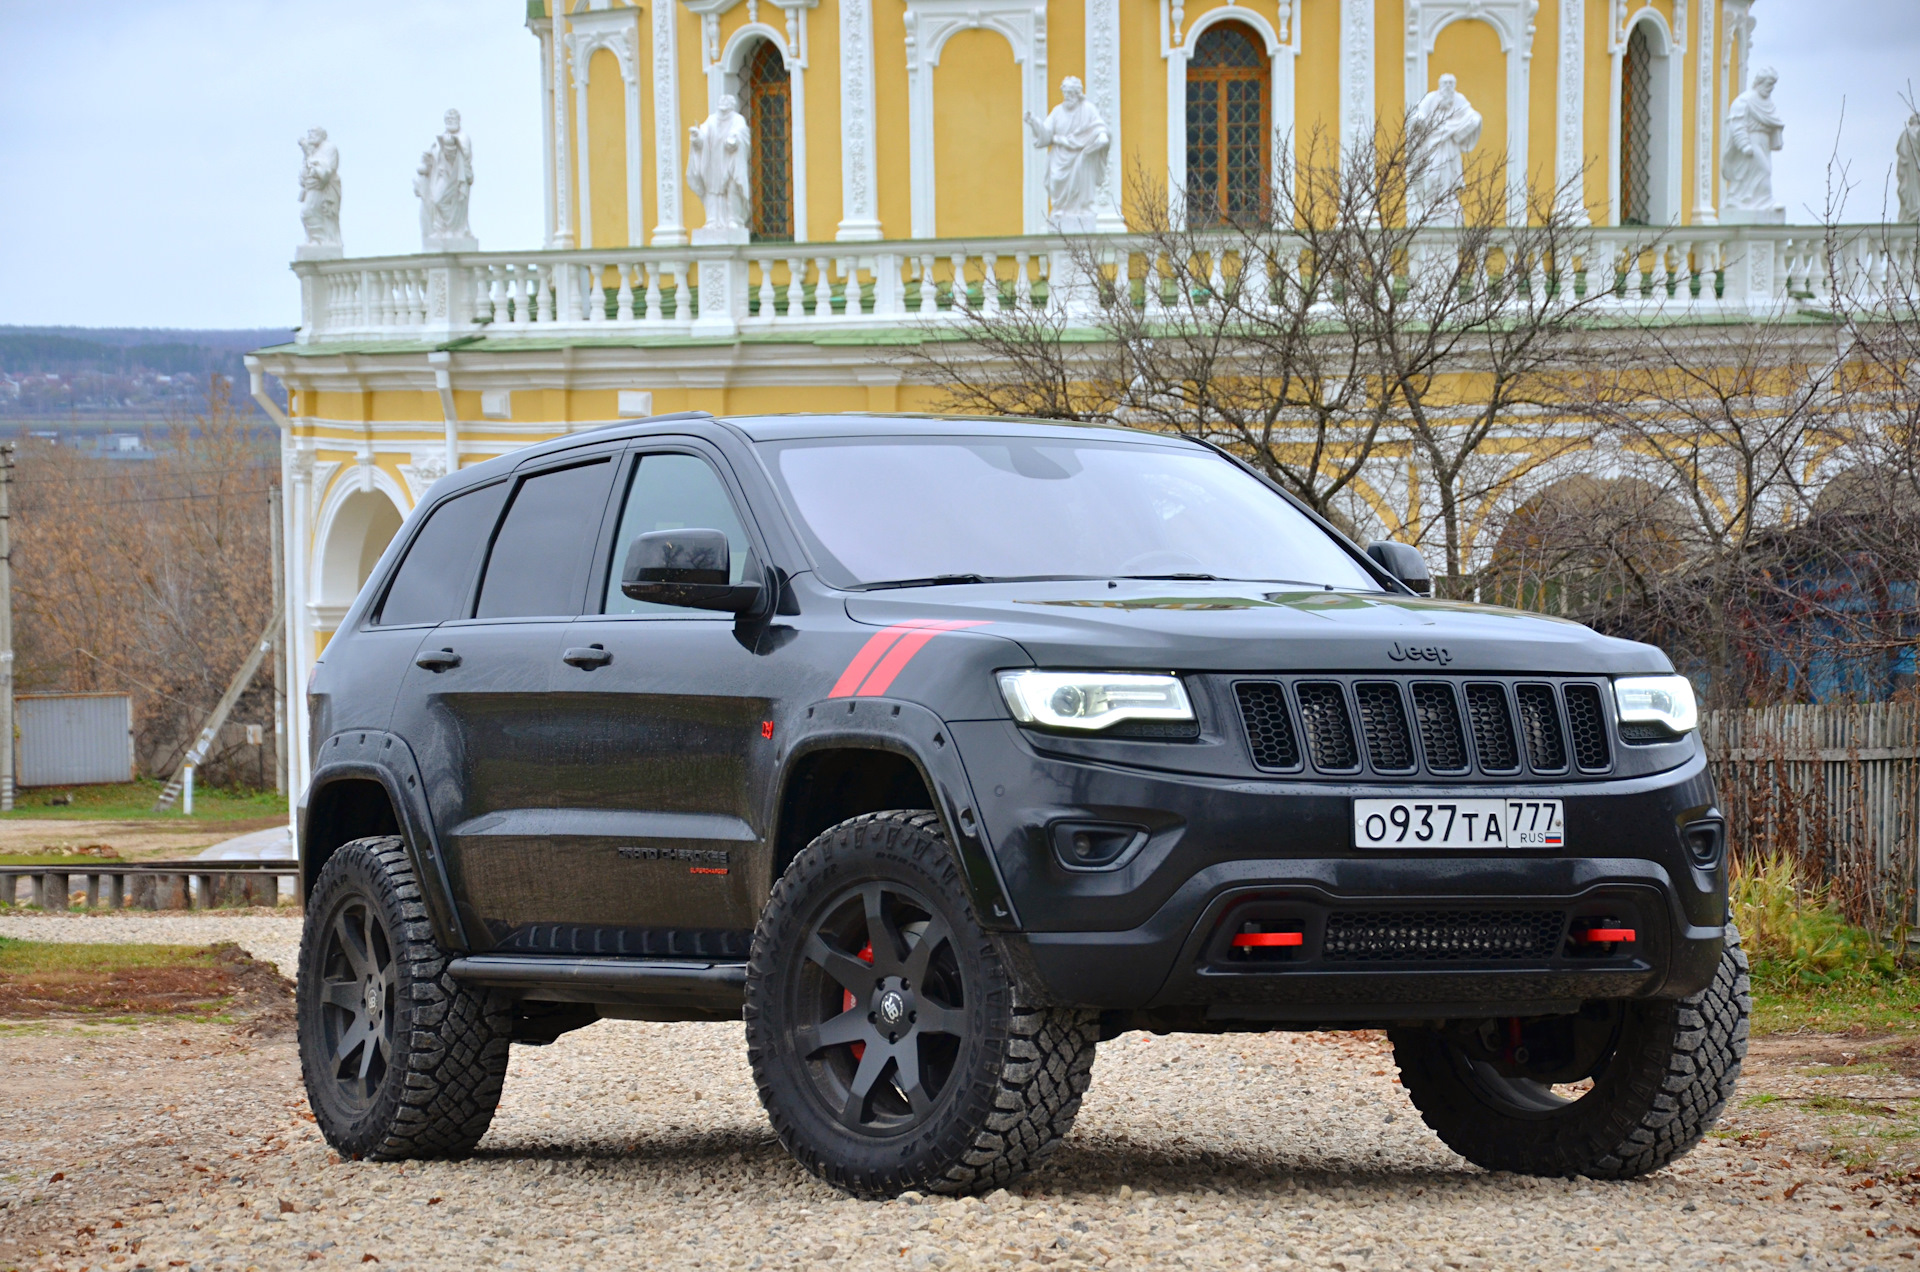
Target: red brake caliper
x: 866, y: 956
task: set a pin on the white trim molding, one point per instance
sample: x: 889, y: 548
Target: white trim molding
x: 1103, y: 90
x: 859, y: 170
x: 1513, y: 22
x: 930, y: 24
x: 1669, y: 94
x: 1283, y: 49
x: 617, y: 31
x: 542, y: 29
x: 562, y: 184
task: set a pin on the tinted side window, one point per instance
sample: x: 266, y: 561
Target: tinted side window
x: 540, y: 555
x: 432, y: 584
x: 673, y: 492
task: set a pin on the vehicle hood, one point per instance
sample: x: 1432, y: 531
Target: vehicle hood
x: 1204, y: 626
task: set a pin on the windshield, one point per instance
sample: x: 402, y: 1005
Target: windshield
x: 894, y: 510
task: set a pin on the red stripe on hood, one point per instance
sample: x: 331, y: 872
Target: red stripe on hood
x: 903, y: 651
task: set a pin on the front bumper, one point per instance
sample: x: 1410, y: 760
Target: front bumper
x: 1382, y: 935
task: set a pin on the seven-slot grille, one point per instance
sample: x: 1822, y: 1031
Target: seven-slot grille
x: 1432, y: 727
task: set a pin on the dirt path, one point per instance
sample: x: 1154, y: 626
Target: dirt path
x: 129, y: 840
x: 632, y: 1144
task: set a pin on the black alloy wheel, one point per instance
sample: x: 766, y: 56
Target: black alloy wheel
x: 879, y: 1008
x: 888, y: 1040
x: 399, y: 1059
x: 357, y: 992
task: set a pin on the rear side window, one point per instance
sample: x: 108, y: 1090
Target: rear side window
x: 433, y: 583
x: 539, y: 558
x: 673, y: 492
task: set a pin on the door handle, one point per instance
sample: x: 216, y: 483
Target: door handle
x: 437, y: 660
x: 587, y: 659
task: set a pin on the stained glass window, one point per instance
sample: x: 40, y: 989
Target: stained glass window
x: 1636, y: 130
x: 1227, y: 126
x: 769, y: 110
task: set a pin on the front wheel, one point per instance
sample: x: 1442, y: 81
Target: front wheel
x: 885, y: 1034
x: 1618, y: 1091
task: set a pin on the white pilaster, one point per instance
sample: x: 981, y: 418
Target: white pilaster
x: 859, y: 171
x: 543, y: 29
x: 1356, y: 72
x: 1706, y: 116
x: 669, y: 231
x: 1103, y: 90
x: 562, y: 182
x: 1570, y: 151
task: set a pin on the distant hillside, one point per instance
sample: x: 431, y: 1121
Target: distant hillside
x: 121, y: 373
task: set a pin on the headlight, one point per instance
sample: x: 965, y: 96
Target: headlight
x: 1663, y: 700
x: 1092, y: 700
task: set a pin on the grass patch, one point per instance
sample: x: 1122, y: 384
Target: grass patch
x: 134, y: 800
x: 1783, y: 1004
x: 1813, y: 970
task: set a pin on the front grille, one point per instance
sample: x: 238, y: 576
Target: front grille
x: 1263, y: 710
x: 1383, y: 719
x: 1439, y: 718
x: 1424, y: 729
x: 1587, y: 722
x: 1540, y: 723
x: 1442, y: 936
x: 1323, y: 712
x: 1493, y: 728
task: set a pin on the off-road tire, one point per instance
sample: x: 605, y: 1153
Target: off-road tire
x: 1017, y: 1073
x: 448, y: 1042
x: 1671, y: 1072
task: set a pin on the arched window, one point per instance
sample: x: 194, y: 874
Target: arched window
x: 1227, y: 125
x: 1636, y: 129
x: 767, y: 102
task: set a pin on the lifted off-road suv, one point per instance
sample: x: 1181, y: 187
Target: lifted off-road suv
x: 944, y: 749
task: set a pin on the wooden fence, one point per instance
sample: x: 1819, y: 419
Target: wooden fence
x: 1836, y: 787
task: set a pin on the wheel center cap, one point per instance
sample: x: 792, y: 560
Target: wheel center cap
x: 893, y: 1007
x: 374, y: 996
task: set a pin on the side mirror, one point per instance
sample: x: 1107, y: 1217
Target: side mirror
x: 688, y: 568
x: 1404, y: 562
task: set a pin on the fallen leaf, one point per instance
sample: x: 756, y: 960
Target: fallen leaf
x: 367, y: 1258
x: 58, y: 1175
x: 287, y: 1207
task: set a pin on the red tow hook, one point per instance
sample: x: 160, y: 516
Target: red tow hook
x: 1251, y: 940
x: 1606, y: 936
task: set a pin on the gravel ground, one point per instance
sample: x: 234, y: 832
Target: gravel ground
x: 169, y: 1145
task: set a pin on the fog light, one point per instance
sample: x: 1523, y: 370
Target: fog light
x: 1705, y: 841
x: 1094, y: 845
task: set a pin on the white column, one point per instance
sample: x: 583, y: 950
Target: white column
x: 1103, y: 90
x: 636, y: 206
x: 1356, y: 71
x: 1173, y: 50
x: 859, y: 170
x: 299, y: 466
x: 1519, y: 114
x: 543, y: 28
x: 1707, y: 112
x: 1570, y: 149
x: 1284, y: 61
x: 668, y: 231
x: 562, y: 195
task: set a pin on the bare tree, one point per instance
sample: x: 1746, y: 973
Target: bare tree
x: 1341, y: 337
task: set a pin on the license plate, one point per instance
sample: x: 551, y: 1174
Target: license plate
x: 1458, y: 823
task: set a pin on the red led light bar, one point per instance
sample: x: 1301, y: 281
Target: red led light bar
x: 1249, y: 939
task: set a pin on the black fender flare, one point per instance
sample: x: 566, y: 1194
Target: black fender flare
x: 915, y: 733
x: 373, y: 754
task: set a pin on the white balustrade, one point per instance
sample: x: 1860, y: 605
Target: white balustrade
x: 951, y: 282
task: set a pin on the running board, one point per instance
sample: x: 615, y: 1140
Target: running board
x: 703, y: 991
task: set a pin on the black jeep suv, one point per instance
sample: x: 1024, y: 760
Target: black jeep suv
x: 943, y: 749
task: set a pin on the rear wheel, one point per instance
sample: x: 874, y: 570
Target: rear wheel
x: 884, y: 1032
x: 1618, y: 1091
x: 399, y: 1059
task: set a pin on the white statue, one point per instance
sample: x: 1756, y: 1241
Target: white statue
x: 718, y: 151
x: 320, y: 189
x: 1445, y: 128
x: 443, y: 181
x: 1753, y: 133
x: 1906, y: 170
x: 1076, y: 141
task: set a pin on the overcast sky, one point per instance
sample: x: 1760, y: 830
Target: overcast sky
x: 149, y: 169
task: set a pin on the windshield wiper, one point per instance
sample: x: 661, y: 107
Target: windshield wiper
x: 941, y: 580
x: 1196, y: 578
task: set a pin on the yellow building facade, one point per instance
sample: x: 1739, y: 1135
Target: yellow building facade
x: 893, y: 182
